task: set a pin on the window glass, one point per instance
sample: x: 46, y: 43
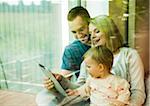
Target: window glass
x: 30, y: 33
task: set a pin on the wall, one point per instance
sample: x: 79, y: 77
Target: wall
x: 142, y: 31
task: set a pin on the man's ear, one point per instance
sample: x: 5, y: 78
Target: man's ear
x: 101, y: 66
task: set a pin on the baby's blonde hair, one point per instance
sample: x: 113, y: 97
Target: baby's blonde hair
x: 101, y: 54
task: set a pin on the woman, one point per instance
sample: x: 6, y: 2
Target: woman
x: 127, y: 62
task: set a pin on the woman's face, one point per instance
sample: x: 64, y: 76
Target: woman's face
x: 97, y: 37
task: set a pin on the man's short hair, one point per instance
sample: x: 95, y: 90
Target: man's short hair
x: 78, y: 11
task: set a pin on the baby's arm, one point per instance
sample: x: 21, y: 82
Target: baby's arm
x: 83, y: 90
x: 71, y: 92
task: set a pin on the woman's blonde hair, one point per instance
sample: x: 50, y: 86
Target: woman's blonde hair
x: 113, y: 37
x: 101, y: 54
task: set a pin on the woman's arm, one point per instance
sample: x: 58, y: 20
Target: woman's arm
x: 83, y: 74
x: 136, y: 71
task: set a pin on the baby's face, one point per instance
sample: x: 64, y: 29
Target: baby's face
x: 93, y: 67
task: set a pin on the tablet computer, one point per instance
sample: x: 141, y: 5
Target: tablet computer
x: 50, y: 75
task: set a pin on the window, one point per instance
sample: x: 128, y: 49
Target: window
x: 97, y: 7
x: 31, y: 32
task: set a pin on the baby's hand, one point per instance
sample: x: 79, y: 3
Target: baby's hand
x: 71, y: 92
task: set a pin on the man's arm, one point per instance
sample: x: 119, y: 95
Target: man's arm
x: 65, y: 72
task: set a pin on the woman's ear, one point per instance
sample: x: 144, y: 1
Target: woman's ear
x: 101, y: 67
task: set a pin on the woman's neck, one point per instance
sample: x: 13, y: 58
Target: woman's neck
x: 116, y: 52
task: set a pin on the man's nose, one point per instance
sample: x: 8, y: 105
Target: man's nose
x: 93, y: 35
x: 80, y: 35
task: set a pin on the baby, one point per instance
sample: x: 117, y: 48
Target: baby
x: 103, y: 88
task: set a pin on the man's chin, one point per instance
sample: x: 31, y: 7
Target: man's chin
x: 95, y: 45
x: 84, y: 41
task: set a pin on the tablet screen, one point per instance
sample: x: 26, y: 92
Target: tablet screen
x: 50, y: 75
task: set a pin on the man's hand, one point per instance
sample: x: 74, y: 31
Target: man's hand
x: 48, y: 84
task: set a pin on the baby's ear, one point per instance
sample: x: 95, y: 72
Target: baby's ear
x: 101, y: 66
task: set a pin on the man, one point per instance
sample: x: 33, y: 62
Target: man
x: 78, y: 23
x: 72, y: 58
